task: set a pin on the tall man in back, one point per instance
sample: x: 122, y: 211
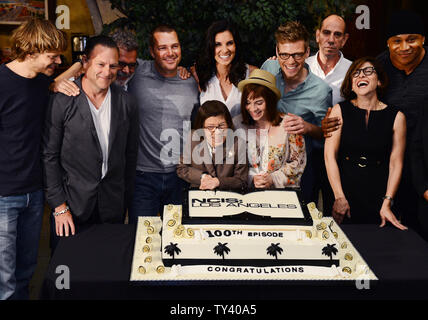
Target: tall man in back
x: 305, y: 98
x: 36, y: 46
x: 90, y: 146
x: 406, y: 65
x: 330, y: 65
x: 165, y: 102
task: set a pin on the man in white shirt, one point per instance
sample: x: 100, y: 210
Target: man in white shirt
x: 329, y: 63
x: 90, y: 146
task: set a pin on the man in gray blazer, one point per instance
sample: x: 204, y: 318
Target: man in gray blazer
x: 90, y: 146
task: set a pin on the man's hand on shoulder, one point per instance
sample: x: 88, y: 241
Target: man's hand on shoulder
x: 67, y: 87
x: 183, y: 73
x: 329, y: 124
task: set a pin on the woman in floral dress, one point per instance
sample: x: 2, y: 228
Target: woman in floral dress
x: 277, y: 159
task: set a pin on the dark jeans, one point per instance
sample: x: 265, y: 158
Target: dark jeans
x: 153, y: 191
x: 20, y: 224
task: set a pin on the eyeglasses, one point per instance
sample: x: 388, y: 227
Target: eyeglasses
x: 221, y: 126
x: 368, y: 71
x: 129, y: 65
x: 296, y: 56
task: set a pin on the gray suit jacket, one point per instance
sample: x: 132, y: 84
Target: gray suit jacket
x: 72, y: 156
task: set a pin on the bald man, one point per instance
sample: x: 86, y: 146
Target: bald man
x: 329, y: 63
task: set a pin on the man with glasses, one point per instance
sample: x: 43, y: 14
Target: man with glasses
x: 90, y: 146
x: 305, y: 98
x: 128, y: 62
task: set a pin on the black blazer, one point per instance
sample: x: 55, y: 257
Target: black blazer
x: 72, y: 156
x: 419, y: 153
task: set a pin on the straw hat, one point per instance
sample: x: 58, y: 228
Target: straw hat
x: 263, y: 78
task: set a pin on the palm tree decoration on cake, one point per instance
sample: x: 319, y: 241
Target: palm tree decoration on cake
x: 329, y: 251
x: 274, y: 249
x: 221, y: 249
x: 172, y: 250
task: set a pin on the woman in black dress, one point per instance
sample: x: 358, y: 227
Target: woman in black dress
x: 364, y: 157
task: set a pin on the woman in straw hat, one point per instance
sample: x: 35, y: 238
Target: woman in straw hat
x: 277, y: 159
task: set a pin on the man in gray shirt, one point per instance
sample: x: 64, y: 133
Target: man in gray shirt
x: 165, y: 103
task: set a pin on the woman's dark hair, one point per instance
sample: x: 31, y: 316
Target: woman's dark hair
x: 206, y: 64
x: 346, y: 89
x: 271, y: 99
x: 212, y: 108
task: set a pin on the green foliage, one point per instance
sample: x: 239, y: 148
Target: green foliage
x: 257, y: 21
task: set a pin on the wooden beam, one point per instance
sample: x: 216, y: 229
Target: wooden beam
x: 97, y: 20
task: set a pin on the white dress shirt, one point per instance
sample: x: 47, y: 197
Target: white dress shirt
x: 335, y: 77
x: 102, y: 118
x: 213, y: 92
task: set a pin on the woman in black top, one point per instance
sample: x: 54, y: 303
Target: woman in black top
x: 364, y: 157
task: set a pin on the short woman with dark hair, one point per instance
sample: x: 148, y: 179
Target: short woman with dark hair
x: 213, y: 160
x: 220, y: 66
x: 364, y: 157
x: 277, y: 159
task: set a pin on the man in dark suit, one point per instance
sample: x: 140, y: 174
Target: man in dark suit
x: 90, y: 146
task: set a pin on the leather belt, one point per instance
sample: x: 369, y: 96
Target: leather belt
x: 363, y: 161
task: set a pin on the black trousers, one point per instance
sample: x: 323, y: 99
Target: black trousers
x: 423, y: 218
x: 321, y: 182
x: 406, y: 200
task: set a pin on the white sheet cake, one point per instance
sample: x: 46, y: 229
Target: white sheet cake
x: 169, y: 249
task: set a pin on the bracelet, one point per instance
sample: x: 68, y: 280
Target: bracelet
x: 389, y: 198
x: 56, y: 214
